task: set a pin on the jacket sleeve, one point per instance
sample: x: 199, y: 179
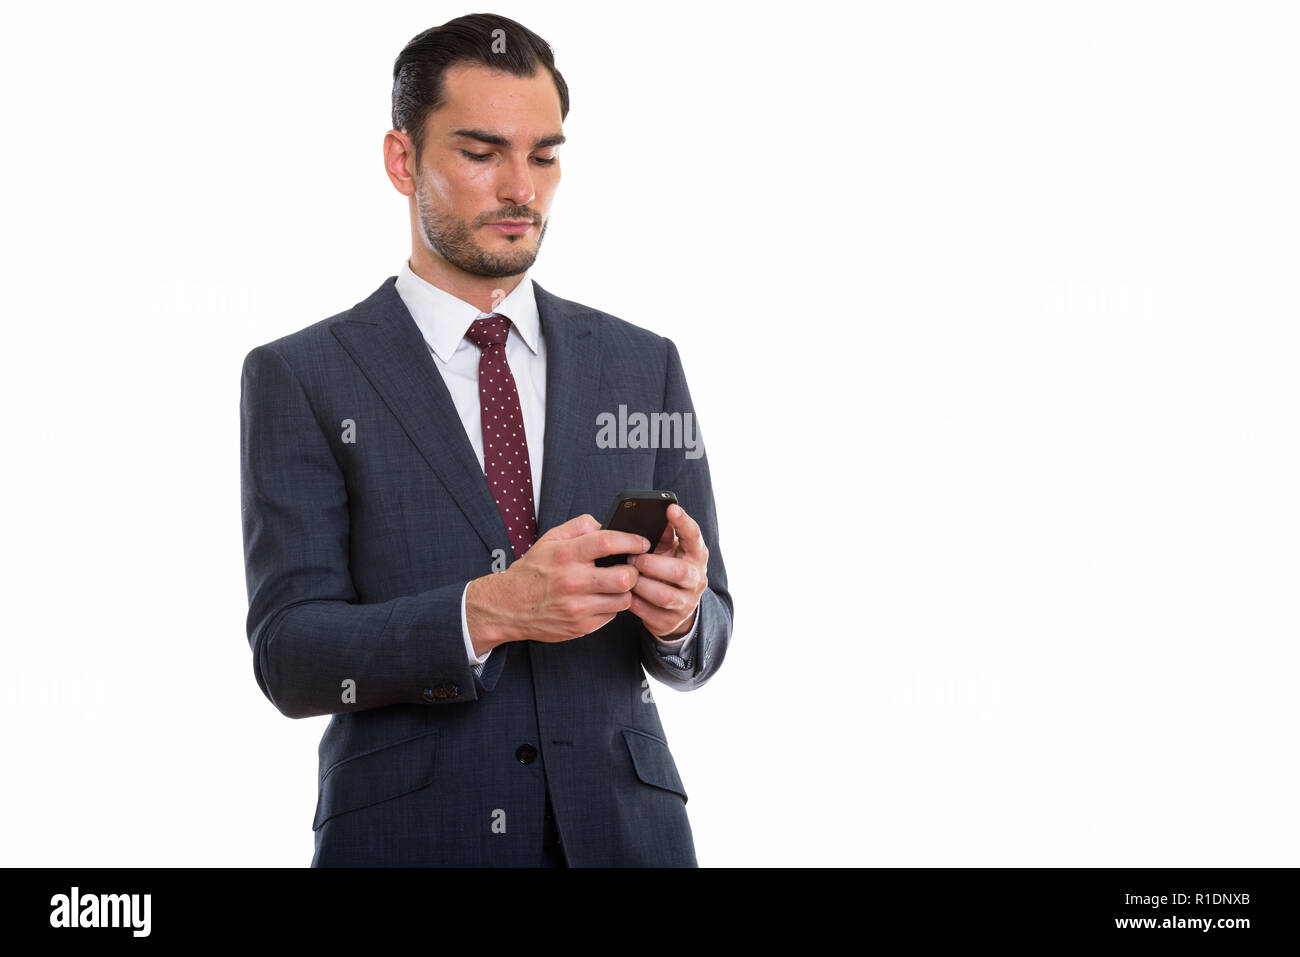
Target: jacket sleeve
x: 685, y: 471
x: 309, y: 635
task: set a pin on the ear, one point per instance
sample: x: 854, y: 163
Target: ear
x: 399, y: 161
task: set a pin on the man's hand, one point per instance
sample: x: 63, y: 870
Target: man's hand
x: 666, y: 595
x: 555, y: 592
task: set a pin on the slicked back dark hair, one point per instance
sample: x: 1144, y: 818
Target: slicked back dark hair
x: 419, y: 68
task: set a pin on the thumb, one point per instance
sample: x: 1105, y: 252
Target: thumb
x: 578, y: 525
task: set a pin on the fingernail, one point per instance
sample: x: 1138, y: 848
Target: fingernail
x: 646, y: 542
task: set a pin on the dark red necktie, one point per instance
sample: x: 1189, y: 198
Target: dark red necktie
x: 505, y: 448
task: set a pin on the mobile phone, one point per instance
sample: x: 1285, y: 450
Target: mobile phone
x: 641, y: 513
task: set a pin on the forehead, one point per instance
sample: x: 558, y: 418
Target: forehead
x: 477, y: 96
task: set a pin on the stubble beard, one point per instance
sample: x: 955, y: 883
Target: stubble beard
x: 454, y: 241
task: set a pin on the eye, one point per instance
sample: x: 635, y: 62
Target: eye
x: 476, y: 157
x: 542, y: 161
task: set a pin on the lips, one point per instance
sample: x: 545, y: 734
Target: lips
x: 511, y: 226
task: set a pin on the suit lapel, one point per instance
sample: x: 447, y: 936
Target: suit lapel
x: 572, y: 376
x: 387, y: 345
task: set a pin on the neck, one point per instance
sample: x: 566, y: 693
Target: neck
x: 482, y: 292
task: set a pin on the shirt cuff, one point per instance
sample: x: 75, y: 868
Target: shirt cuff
x: 679, y: 647
x: 476, y: 663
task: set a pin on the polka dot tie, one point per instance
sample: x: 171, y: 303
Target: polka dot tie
x: 505, y: 448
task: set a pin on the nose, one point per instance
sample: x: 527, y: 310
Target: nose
x: 516, y: 183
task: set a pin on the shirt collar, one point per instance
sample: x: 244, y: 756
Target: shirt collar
x: 443, y: 319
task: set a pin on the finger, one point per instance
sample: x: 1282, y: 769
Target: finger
x: 603, y: 605
x: 688, y: 531
x: 614, y: 580
x: 656, y: 620
x: 666, y: 568
x: 666, y: 598
x: 604, y: 542
x: 668, y: 540
x: 575, y: 527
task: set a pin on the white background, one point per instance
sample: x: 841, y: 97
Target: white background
x: 989, y: 315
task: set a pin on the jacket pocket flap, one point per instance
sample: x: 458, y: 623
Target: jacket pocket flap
x: 653, y: 761
x: 376, y: 776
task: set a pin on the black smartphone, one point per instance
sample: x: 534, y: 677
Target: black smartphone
x: 641, y: 513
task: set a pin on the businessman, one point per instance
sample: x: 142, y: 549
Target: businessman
x: 421, y: 478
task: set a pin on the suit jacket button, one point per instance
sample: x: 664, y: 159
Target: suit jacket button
x: 526, y: 753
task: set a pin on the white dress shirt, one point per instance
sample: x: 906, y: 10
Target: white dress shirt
x: 443, y: 320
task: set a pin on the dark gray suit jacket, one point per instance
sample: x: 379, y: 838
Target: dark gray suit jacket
x: 356, y: 555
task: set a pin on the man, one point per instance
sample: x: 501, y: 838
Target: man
x: 398, y: 462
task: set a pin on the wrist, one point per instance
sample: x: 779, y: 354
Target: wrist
x: 682, y: 630
x: 488, y: 627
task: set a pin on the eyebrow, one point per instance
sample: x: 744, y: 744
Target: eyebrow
x: 496, y: 139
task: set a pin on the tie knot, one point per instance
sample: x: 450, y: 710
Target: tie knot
x: 490, y: 331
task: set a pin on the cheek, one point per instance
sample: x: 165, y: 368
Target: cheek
x: 545, y: 188
x: 439, y: 187
x: 473, y: 178
x: 460, y: 188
